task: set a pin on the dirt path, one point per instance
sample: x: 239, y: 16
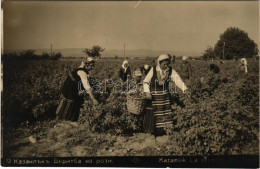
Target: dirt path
x: 67, y: 139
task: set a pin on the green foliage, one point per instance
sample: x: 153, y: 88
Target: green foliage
x: 32, y: 89
x: 52, y: 56
x: 94, y: 51
x: 237, y: 43
x: 10, y: 56
x: 55, y: 56
x: 220, y: 117
x: 28, y: 54
x: 45, y: 55
x: 110, y: 117
x: 208, y: 53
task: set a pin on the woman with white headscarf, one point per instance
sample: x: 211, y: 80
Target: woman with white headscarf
x: 243, y: 65
x: 71, y: 99
x: 124, y: 71
x: 157, y: 88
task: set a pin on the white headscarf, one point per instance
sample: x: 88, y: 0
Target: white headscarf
x: 158, y: 68
x: 243, y: 60
x: 162, y: 57
x: 146, y: 66
x: 88, y: 60
x: 123, y: 65
x: 184, y: 57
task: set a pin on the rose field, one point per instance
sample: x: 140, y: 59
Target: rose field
x: 221, y: 116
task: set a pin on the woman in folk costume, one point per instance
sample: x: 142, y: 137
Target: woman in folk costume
x: 71, y: 100
x: 156, y: 86
x: 124, y: 71
x: 243, y: 65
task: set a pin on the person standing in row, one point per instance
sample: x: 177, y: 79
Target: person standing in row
x: 185, y: 69
x: 172, y: 58
x: 71, y: 101
x: 156, y: 87
x: 243, y: 65
x: 124, y: 71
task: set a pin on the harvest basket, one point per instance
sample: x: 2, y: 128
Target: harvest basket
x: 135, y: 105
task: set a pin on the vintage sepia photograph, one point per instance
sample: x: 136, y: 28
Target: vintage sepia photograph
x: 130, y: 83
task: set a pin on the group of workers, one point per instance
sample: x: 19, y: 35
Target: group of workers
x: 125, y: 71
x: 156, y: 86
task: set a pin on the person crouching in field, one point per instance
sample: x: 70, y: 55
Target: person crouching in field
x: 214, y: 68
x: 185, y: 69
x: 71, y: 101
x: 124, y: 71
x: 243, y: 65
x: 212, y: 71
x: 156, y: 87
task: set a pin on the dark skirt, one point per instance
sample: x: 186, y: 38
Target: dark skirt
x: 148, y: 121
x: 158, y: 113
x: 68, y: 109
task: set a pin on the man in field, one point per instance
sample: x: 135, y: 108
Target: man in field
x: 185, y: 69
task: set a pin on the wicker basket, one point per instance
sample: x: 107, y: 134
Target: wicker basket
x: 135, y: 105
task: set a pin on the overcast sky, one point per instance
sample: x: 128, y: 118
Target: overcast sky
x: 168, y: 25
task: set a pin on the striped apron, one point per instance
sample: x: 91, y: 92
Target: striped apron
x: 158, y: 113
x: 70, y: 101
x: 68, y: 109
x: 158, y: 110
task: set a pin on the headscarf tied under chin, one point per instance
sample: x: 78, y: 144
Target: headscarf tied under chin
x: 146, y: 67
x: 243, y: 60
x: 123, y: 65
x: 162, y: 74
x: 87, y: 61
x: 162, y: 57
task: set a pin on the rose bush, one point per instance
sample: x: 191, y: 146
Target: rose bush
x: 221, y: 116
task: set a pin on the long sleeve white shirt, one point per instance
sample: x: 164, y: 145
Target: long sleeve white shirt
x: 174, y: 78
x: 84, y: 79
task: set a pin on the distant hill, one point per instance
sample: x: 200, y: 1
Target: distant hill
x: 78, y: 52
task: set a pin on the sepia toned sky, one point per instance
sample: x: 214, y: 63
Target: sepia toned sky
x: 167, y: 25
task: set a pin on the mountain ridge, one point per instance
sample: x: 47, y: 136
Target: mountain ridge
x: 78, y: 52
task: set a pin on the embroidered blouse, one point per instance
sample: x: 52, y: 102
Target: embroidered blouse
x: 174, y: 78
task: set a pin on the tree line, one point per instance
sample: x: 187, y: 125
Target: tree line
x: 234, y: 43
x: 31, y: 55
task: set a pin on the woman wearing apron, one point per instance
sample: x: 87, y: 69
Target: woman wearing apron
x: 156, y: 86
x: 76, y: 82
